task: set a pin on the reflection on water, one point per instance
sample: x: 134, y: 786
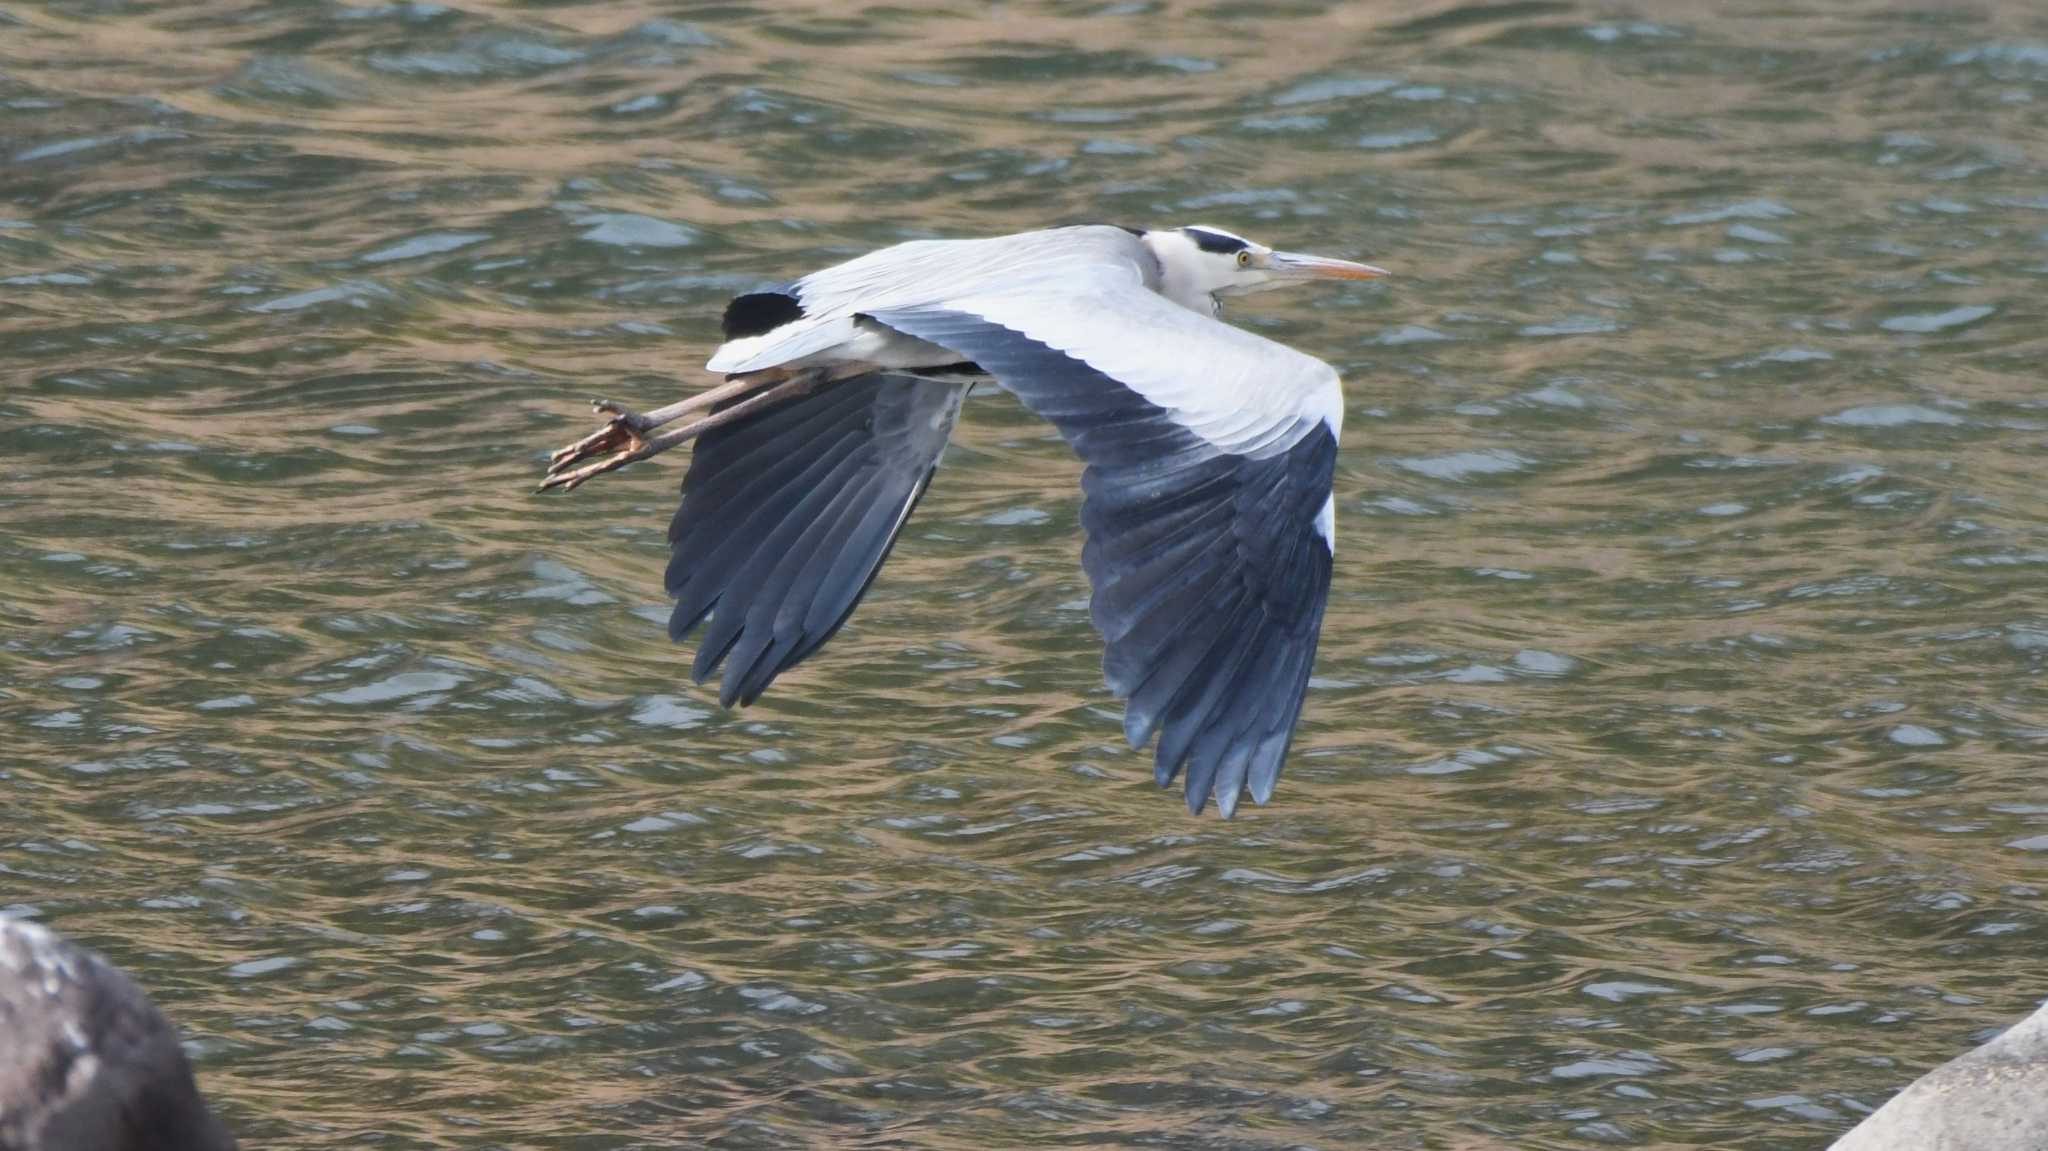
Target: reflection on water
x: 1671, y: 776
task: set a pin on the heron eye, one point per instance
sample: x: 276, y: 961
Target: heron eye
x: 1244, y: 258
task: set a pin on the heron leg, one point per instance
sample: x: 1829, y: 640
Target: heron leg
x: 627, y: 429
x: 624, y: 435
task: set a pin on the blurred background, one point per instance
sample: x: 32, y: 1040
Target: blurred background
x: 1673, y: 772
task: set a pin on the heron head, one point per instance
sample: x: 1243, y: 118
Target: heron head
x: 1200, y: 263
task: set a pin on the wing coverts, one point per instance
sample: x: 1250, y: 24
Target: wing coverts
x: 1209, y: 571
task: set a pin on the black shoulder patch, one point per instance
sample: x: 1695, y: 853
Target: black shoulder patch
x: 1215, y: 242
x: 758, y: 312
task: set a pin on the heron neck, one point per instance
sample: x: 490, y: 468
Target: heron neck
x: 1180, y: 272
x: 1191, y: 297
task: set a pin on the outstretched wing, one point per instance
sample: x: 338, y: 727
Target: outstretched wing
x: 1210, y: 525
x: 787, y: 516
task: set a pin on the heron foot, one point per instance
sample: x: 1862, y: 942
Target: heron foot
x: 620, y: 440
x: 625, y: 434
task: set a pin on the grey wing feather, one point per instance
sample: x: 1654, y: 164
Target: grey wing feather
x: 1209, y: 571
x: 787, y: 516
x: 922, y: 272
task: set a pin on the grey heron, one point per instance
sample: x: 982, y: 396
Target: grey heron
x: 1990, y: 1098
x: 1209, y: 452
x: 86, y: 1060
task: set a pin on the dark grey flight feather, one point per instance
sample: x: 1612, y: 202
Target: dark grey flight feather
x: 787, y: 516
x: 1209, y: 574
x: 86, y: 1060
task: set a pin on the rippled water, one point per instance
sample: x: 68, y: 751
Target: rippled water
x: 1673, y: 773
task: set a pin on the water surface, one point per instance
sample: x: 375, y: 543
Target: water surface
x: 1672, y: 775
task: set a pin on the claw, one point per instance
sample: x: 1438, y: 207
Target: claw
x: 625, y: 434
x: 570, y: 480
x: 618, y: 433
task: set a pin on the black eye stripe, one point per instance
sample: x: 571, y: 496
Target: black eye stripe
x: 1215, y: 241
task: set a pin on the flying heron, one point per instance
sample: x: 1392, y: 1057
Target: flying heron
x: 1209, y: 452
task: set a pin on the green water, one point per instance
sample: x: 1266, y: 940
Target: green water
x: 1673, y: 773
